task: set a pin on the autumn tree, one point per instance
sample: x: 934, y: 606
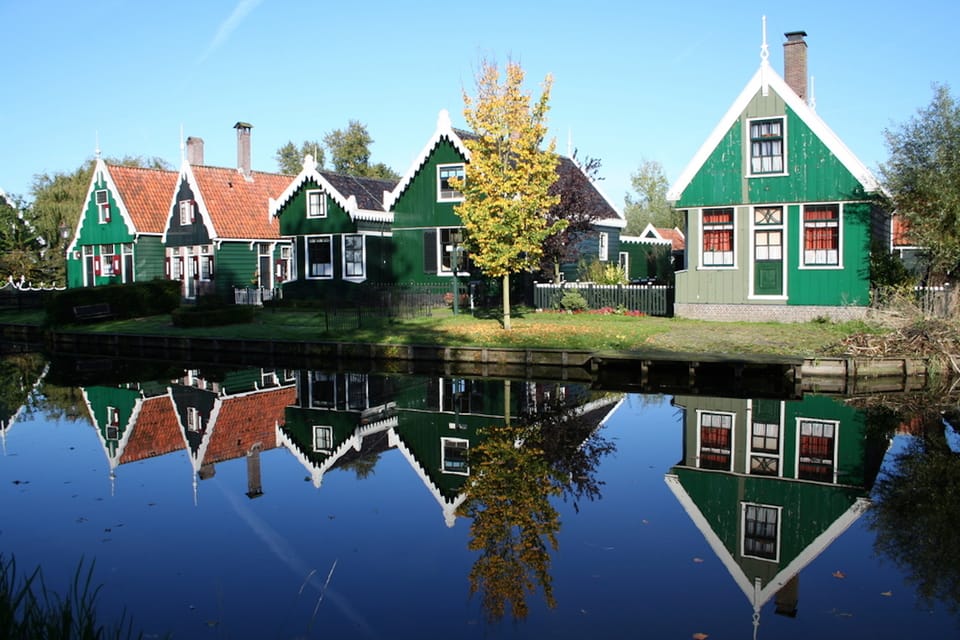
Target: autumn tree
x: 649, y: 202
x: 922, y: 178
x: 290, y: 157
x: 507, y: 189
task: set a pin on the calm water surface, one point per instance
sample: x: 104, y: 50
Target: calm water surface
x: 302, y: 504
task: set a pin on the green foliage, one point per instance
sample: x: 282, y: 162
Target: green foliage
x: 28, y: 609
x: 922, y: 177
x: 650, y: 204
x: 886, y: 269
x: 290, y: 157
x: 130, y: 300
x: 350, y: 152
x: 602, y: 272
x: 212, y: 315
x: 573, y: 300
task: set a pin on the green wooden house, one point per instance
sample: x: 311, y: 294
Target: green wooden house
x: 118, y: 236
x: 338, y: 230
x: 770, y: 484
x: 219, y: 236
x: 779, y: 220
x: 651, y: 256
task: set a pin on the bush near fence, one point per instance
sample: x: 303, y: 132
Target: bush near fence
x: 133, y: 300
x: 652, y: 299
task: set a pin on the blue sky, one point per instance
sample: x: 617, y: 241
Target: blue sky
x: 632, y: 80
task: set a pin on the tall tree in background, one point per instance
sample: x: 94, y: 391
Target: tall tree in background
x: 650, y: 204
x: 507, y: 188
x: 577, y: 207
x: 21, y: 247
x: 290, y: 156
x: 350, y: 153
x: 922, y: 177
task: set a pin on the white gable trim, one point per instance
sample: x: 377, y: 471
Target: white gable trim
x: 186, y: 173
x: 102, y: 172
x: 444, y: 130
x: 766, y: 77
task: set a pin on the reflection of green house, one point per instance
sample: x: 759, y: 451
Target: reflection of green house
x: 771, y: 484
x: 779, y: 221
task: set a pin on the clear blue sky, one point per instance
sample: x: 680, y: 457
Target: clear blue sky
x: 632, y: 80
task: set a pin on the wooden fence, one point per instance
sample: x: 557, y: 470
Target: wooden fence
x: 651, y: 299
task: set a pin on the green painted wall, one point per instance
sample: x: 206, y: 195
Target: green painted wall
x: 148, y: 258
x: 648, y: 260
x: 235, y: 266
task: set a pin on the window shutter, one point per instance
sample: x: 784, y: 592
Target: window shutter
x: 182, y: 274
x: 105, y: 212
x: 193, y: 208
x: 280, y: 277
x: 96, y: 265
x: 430, y: 251
x: 166, y: 266
x: 196, y: 267
x: 210, y: 265
x: 116, y: 264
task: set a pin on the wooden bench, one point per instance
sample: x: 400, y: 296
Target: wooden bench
x: 91, y: 312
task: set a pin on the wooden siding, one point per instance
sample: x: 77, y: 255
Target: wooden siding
x: 719, y: 181
x: 417, y: 205
x: 190, y: 234
x: 236, y: 266
x: 647, y: 260
x: 294, y: 220
x: 148, y: 258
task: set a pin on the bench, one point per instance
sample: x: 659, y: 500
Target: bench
x: 90, y: 312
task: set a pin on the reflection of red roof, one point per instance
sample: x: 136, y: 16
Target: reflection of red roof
x: 157, y: 431
x: 675, y: 236
x: 248, y: 420
x: 238, y: 207
x: 146, y: 193
x: 900, y: 232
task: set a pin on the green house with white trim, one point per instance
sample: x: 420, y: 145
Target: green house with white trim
x: 779, y: 214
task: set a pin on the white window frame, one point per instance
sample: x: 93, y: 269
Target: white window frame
x: 194, y: 421
x: 449, y: 194
x: 623, y: 259
x: 802, y: 421
x: 316, y: 203
x: 454, y: 443
x: 445, y: 253
x: 732, y: 417
x: 107, y: 252
x: 751, y: 172
x: 603, y: 246
x: 308, y: 263
x: 362, y: 275
x: 322, y: 438
x: 813, y: 264
x: 733, y: 239
x: 186, y: 212
x: 778, y: 539
x: 102, y: 199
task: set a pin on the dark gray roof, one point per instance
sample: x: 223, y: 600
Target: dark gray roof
x: 367, y: 191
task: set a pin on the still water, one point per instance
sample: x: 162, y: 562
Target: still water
x: 263, y: 503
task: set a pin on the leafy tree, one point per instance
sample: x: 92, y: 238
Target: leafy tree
x: 20, y: 245
x: 290, y: 156
x: 507, y: 193
x: 922, y: 177
x: 578, y: 207
x: 350, y: 153
x: 650, y: 204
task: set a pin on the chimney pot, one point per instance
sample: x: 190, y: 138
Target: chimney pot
x: 195, y: 150
x: 795, y: 62
x: 243, y: 147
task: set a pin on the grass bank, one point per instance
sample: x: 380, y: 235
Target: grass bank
x: 530, y: 329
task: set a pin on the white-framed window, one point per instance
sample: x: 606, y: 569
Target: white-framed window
x: 112, y: 428
x: 817, y: 449
x: 767, y: 148
x: 765, y: 448
x: 718, y: 237
x: 319, y: 257
x: 715, y: 436
x: 107, y: 256
x: 354, y: 262
x: 285, y: 264
x: 453, y: 456
x: 102, y: 199
x: 821, y: 235
x: 186, y: 212
x: 445, y: 191
x: 322, y: 438
x: 761, y: 531
x: 206, y: 262
x: 126, y: 253
x: 316, y: 204
x: 623, y: 259
x: 603, y: 246
x: 194, y: 421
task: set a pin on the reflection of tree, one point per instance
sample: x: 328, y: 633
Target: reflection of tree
x: 362, y: 466
x: 917, y: 508
x: 18, y: 374
x: 513, y: 520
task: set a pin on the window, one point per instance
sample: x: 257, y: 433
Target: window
x: 322, y: 439
x: 454, y: 456
x: 623, y: 259
x: 284, y: 272
x: 765, y: 449
x: 766, y: 146
x: 126, y: 250
x: 316, y: 204
x: 716, y: 437
x: 186, y: 212
x: 206, y: 262
x: 821, y: 235
x: 717, y: 238
x: 761, y: 531
x: 817, y: 450
x: 445, y: 191
x: 113, y: 424
x: 323, y: 390
x: 194, y: 422
x: 319, y: 257
x: 107, y: 260
x: 103, y: 205
x: 603, y: 246
x: 353, y: 262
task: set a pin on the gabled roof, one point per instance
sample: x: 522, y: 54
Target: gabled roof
x: 443, y: 131
x: 245, y: 421
x: 573, y: 176
x: 763, y: 80
x: 236, y: 207
x: 658, y: 235
x: 361, y: 198
x: 156, y: 431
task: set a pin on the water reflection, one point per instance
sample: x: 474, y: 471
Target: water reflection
x: 769, y: 484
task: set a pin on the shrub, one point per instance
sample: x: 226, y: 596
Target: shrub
x: 602, y: 272
x: 132, y: 300
x: 573, y: 300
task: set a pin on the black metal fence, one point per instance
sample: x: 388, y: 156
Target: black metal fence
x: 651, y: 299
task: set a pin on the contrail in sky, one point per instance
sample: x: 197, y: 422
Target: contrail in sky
x: 240, y: 12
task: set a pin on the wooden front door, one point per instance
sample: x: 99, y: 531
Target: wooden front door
x: 768, y: 251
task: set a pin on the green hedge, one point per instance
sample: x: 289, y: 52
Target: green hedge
x: 133, y: 300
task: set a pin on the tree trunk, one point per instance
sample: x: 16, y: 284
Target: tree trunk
x: 506, y: 302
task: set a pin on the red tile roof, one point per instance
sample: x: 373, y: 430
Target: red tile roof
x: 247, y: 420
x: 677, y: 241
x: 240, y: 207
x: 901, y: 235
x: 146, y: 193
x: 157, y: 431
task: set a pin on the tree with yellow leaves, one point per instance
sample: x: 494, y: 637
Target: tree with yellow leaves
x: 506, y: 190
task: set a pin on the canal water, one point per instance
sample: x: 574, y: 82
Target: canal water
x: 266, y: 503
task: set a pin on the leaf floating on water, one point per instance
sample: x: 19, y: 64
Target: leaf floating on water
x: 700, y: 636
x: 644, y: 521
x: 887, y: 593
x: 840, y: 575
x: 698, y: 560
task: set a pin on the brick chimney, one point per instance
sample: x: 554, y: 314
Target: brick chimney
x: 195, y: 150
x: 795, y: 62
x: 243, y: 147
